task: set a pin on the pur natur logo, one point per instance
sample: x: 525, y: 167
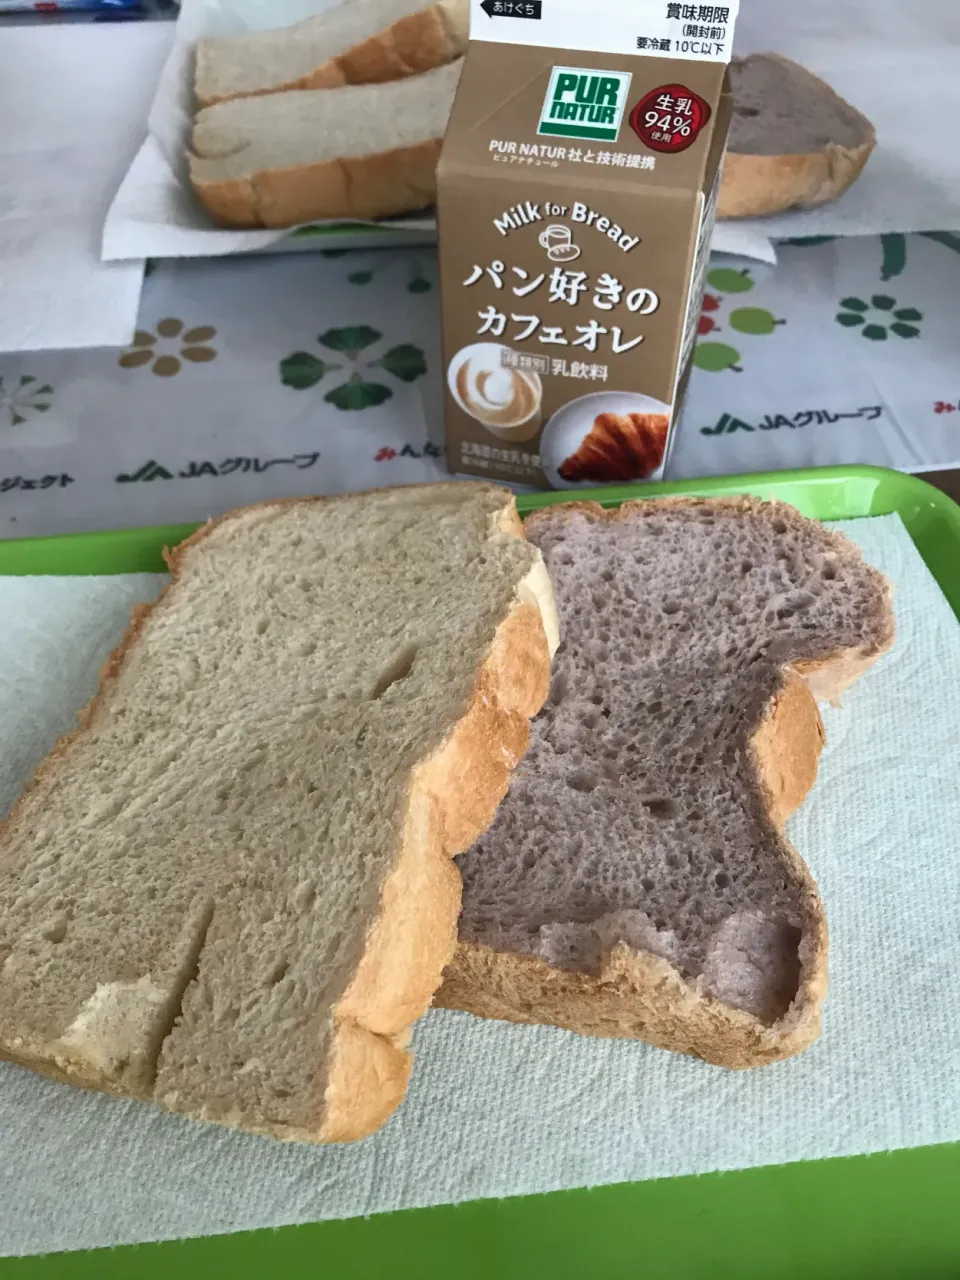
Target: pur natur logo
x: 581, y: 103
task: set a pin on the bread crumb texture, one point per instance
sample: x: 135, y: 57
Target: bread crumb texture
x: 231, y: 890
x: 637, y: 880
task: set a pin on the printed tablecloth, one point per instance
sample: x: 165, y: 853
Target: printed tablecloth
x: 268, y: 376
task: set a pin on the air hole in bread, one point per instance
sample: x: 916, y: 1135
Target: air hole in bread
x: 396, y: 670
x: 661, y: 807
x: 55, y: 930
x: 583, y: 781
x: 277, y: 973
x: 304, y: 896
x: 558, y: 688
x: 262, y: 625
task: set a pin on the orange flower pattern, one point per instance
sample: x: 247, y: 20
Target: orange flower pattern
x: 165, y: 350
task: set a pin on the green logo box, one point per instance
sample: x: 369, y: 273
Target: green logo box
x: 584, y: 103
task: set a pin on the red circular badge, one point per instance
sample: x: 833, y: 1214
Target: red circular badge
x: 669, y: 119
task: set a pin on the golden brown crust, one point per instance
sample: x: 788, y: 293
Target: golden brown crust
x: 757, y: 186
x: 453, y: 796
x: 371, y: 186
x: 787, y: 746
x: 419, y: 42
x: 368, y: 1076
x: 638, y: 995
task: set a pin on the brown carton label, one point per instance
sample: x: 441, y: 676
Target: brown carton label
x: 575, y: 209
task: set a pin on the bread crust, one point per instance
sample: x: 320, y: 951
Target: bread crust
x: 641, y: 996
x: 378, y: 185
x: 452, y: 797
x: 419, y: 42
x: 755, y: 186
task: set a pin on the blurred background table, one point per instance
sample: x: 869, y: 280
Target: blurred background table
x: 317, y: 373
x: 263, y: 376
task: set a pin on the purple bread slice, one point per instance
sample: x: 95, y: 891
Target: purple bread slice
x: 636, y: 881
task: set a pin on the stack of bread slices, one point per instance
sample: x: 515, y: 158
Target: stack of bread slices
x: 339, y: 116
x: 342, y: 116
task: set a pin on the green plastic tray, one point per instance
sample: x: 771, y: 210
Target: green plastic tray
x: 864, y: 1218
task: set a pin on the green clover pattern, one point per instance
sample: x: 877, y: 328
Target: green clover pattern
x: 362, y: 388
x: 21, y: 400
x: 901, y: 321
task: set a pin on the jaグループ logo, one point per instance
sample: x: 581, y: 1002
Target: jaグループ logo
x: 581, y: 103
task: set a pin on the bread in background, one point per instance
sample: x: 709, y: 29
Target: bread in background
x: 356, y: 42
x: 363, y: 151
x: 794, y: 142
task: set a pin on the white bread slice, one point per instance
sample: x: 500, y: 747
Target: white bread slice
x: 794, y: 142
x: 637, y: 881
x: 357, y: 42
x: 230, y: 891
x: 364, y: 151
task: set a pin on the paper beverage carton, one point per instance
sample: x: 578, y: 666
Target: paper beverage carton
x: 576, y: 198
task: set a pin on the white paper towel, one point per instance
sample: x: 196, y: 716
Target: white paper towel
x: 497, y: 1110
x: 73, y: 109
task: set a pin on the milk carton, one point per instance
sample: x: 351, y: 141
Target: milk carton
x: 576, y: 198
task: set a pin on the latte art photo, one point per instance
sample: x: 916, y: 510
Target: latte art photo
x: 506, y: 401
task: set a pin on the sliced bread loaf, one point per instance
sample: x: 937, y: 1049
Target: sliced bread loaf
x: 637, y: 881
x: 231, y: 891
x: 365, y: 151
x: 794, y: 142
x: 356, y: 42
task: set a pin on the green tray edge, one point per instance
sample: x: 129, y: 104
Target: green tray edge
x: 827, y: 493
x: 878, y: 1216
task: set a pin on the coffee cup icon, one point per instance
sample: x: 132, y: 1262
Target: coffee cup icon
x: 558, y: 242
